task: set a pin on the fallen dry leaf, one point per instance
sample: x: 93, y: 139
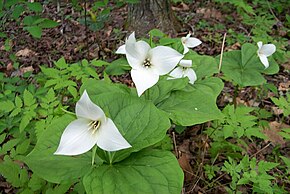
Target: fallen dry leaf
x: 284, y: 86
x: 181, y: 7
x: 25, y: 53
x: 183, y: 161
x: 273, y: 133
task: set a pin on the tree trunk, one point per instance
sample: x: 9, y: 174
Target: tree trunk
x: 150, y: 14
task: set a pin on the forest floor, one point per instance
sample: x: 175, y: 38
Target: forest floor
x: 75, y: 41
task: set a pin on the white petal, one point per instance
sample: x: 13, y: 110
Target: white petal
x: 268, y: 49
x: 185, y: 63
x: 260, y: 44
x: 264, y: 60
x: 185, y: 49
x: 191, y: 75
x: 121, y: 49
x: 144, y: 79
x: 109, y: 138
x: 164, y: 59
x: 136, y: 53
x: 192, y: 42
x: 85, y: 108
x: 131, y: 38
x: 76, y: 138
x: 176, y: 73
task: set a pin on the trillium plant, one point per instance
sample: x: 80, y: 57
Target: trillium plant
x: 112, y: 144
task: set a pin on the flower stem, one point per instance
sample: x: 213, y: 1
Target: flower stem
x: 66, y: 111
x: 236, y: 93
x: 94, y: 154
x: 111, y: 156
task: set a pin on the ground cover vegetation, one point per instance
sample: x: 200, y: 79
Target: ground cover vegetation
x: 88, y: 107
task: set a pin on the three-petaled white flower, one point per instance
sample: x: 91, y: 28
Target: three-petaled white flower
x: 265, y: 51
x: 189, y: 42
x: 90, y: 128
x: 184, y: 70
x: 148, y: 64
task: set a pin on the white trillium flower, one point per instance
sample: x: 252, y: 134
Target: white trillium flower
x: 130, y: 39
x: 90, y: 128
x: 148, y: 64
x: 189, y: 42
x: 184, y: 70
x: 265, y: 51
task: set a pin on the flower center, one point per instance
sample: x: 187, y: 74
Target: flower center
x: 94, y: 126
x: 147, y: 63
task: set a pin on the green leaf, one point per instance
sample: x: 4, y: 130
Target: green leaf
x: 139, y: 121
x: 245, y: 68
x: 6, y: 106
x: 163, y: 89
x: 96, y: 87
x: 17, y: 11
x: 146, y: 172
x: 35, y: 31
x: 46, y: 23
x: 118, y: 67
x: 195, y: 104
x: 61, y: 64
x: 35, y: 6
x: 13, y: 173
x: 24, y: 122
x: 28, y: 98
x: 99, y: 63
x: 73, y: 91
x: 56, y: 168
x: 203, y: 65
x: 157, y: 33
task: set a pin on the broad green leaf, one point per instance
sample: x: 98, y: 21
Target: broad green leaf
x: 245, y: 68
x: 35, y: 31
x: 24, y: 122
x: 195, y: 104
x: 139, y: 121
x: 145, y: 172
x: 56, y: 168
x: 163, y: 89
x: 99, y: 63
x: 203, y: 65
x: 96, y: 87
x: 118, y: 67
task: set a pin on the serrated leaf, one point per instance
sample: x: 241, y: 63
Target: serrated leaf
x: 13, y: 173
x: 148, y: 171
x: 61, y: 63
x: 18, y: 102
x: 8, y: 146
x: 99, y: 63
x: 6, y: 106
x: 28, y: 98
x: 24, y: 122
x: 73, y: 91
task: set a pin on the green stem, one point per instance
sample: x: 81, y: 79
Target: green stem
x: 236, y: 93
x: 94, y: 154
x: 66, y: 111
x: 111, y: 156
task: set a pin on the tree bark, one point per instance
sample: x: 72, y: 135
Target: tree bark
x: 150, y: 14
